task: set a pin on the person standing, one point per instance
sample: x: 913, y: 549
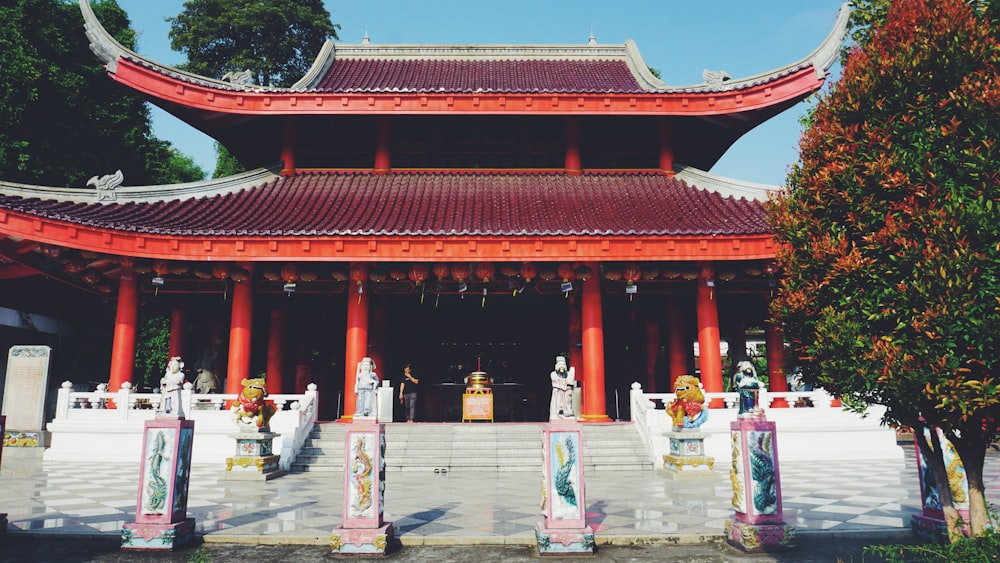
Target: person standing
x: 408, y: 392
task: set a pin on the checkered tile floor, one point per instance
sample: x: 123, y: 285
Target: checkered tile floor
x: 99, y: 498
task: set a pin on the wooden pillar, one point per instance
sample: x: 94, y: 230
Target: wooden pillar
x: 774, y: 342
x: 678, y: 346
x: 652, y: 350
x: 382, y: 143
x: 240, y: 333
x: 376, y: 339
x: 126, y: 326
x: 178, y: 328
x: 357, y: 344
x: 709, y: 350
x: 666, y: 148
x: 276, y: 346
x: 592, y: 322
x: 572, y: 146
x: 288, y: 141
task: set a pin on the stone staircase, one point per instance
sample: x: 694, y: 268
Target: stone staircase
x: 476, y: 447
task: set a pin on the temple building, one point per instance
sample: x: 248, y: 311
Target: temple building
x: 460, y: 208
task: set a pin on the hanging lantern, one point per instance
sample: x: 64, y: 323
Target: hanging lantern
x: 377, y: 274
x: 612, y: 273
x: 753, y: 270
x: 461, y: 271
x: 566, y: 272
x: 289, y: 273
x: 770, y: 268
x: 397, y: 272
x: 583, y: 273
x: 485, y: 271
x: 689, y: 274
x: 631, y: 273
x: 509, y: 269
x: 727, y: 275
x: 418, y: 273
x: 203, y: 272
x: 179, y: 268
x: 221, y: 271
x: 269, y: 274
x: 441, y: 271
x: 547, y: 272
x: 240, y: 275
x: 650, y: 272
x: 91, y: 276
x: 143, y: 266
x: 528, y: 271
x: 670, y: 272
x: 76, y: 265
x: 359, y: 273
x: 161, y: 267
x: 308, y: 275
x: 338, y: 274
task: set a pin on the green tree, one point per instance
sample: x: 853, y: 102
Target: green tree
x: 889, y: 223
x: 277, y: 40
x: 225, y: 163
x: 62, y: 120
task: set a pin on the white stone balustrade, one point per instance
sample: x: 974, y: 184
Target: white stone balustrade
x: 108, y: 425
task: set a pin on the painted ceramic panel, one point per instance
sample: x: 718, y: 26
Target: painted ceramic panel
x: 736, y: 474
x: 361, y: 476
x: 564, y: 470
x: 155, y: 489
x: 957, y: 481
x: 761, y: 459
x: 182, y: 478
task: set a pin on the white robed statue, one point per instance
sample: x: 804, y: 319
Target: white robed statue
x: 563, y: 381
x: 365, y: 384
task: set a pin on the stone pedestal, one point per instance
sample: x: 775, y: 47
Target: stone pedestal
x: 363, y: 531
x: 161, y: 521
x: 758, y: 524
x: 564, y: 528
x: 687, y: 457
x: 930, y: 524
x: 254, y: 459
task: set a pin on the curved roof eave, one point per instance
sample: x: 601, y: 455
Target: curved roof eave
x: 724, y: 186
x: 145, y: 194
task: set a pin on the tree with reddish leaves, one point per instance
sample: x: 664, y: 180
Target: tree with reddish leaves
x: 890, y: 227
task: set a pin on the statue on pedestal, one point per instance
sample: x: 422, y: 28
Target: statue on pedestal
x: 365, y: 384
x: 688, y: 409
x: 253, y: 409
x: 745, y: 382
x: 563, y: 382
x: 171, y: 385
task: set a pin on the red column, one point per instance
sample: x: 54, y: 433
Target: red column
x: 240, y: 333
x: 709, y: 353
x: 356, y: 348
x: 592, y: 321
x: 178, y: 327
x: 774, y: 343
x: 678, y: 346
x: 382, y: 161
x: 572, y: 146
x: 666, y: 148
x: 288, y: 140
x: 652, y: 352
x: 126, y: 325
x: 376, y: 339
x: 276, y: 348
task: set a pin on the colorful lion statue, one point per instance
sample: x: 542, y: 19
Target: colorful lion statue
x: 688, y: 409
x: 253, y: 409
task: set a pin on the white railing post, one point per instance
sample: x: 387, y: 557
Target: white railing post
x: 124, y: 400
x: 62, y: 401
x: 640, y: 407
x: 187, y: 392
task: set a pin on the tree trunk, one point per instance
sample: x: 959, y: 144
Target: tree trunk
x: 934, y: 455
x: 972, y: 452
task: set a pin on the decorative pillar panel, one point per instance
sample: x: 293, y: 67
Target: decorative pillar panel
x: 592, y: 321
x: 564, y: 528
x: 288, y: 142
x: 758, y: 524
x: 276, y: 347
x: 178, y: 328
x: 678, y: 347
x: 240, y: 333
x: 709, y: 350
x: 364, y: 531
x: 126, y: 325
x: 930, y: 524
x: 572, y: 146
x: 383, y: 135
x: 357, y: 337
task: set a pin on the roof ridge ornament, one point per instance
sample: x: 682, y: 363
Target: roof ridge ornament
x: 366, y: 40
x: 715, y: 77
x: 239, y: 78
x: 106, y: 185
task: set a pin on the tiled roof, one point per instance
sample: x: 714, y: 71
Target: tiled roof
x: 427, y: 203
x: 478, y: 75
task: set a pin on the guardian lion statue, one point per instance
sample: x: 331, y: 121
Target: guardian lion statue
x: 688, y: 409
x: 253, y: 409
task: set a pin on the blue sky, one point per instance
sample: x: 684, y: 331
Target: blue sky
x: 679, y: 37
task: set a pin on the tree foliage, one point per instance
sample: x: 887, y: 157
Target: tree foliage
x: 62, y: 120
x: 891, y: 258
x: 277, y: 40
